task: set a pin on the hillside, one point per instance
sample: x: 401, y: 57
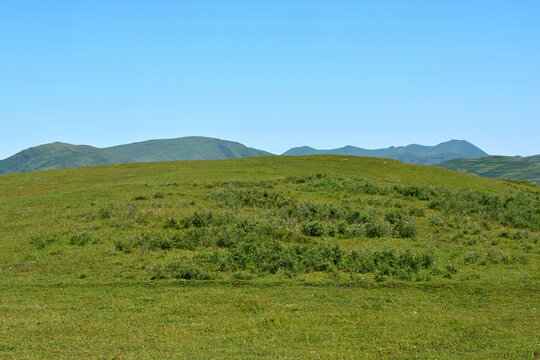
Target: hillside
x: 57, y: 156
x: 61, y: 155
x: 502, y: 167
x: 534, y: 158
x: 268, y: 257
x: 186, y: 148
x: 412, y: 154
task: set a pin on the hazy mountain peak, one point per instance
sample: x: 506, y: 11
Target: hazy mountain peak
x: 413, y: 153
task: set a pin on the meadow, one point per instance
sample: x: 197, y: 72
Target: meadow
x: 311, y: 257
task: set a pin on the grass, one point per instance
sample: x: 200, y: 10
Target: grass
x: 274, y: 257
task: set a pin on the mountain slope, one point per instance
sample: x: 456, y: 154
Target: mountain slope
x: 61, y: 155
x: 185, y: 148
x: 504, y: 167
x: 413, y: 154
x: 57, y: 156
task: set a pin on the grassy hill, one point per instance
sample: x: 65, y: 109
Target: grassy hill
x: 412, y: 154
x: 535, y: 159
x: 57, y: 156
x: 308, y: 257
x: 503, y: 167
x: 186, y: 148
x: 61, y: 155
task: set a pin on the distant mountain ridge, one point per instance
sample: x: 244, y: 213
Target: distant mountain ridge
x: 413, y: 154
x: 501, y: 167
x: 61, y: 155
x: 58, y: 155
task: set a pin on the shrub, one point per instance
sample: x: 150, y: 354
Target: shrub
x: 405, y: 227
x: 314, y: 228
x: 471, y: 257
x: 159, y: 195
x: 449, y: 271
x: 180, y: 270
x: 140, y: 197
x: 421, y: 193
x: 418, y: 212
x: 144, y: 242
x: 104, y: 213
x: 41, y: 241
x: 376, y: 229
x: 393, y: 216
x: 81, y: 239
x: 171, y: 223
x: 192, y: 238
x: 203, y: 218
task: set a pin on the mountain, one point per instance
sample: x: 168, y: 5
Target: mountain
x: 61, y: 155
x: 57, y: 156
x: 413, y: 154
x: 185, y: 148
x: 503, y: 167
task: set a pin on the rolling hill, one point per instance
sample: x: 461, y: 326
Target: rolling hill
x: 274, y: 257
x: 185, y: 148
x: 58, y: 156
x: 502, y: 167
x: 412, y: 154
x: 61, y: 155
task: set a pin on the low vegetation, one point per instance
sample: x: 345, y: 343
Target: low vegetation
x: 296, y: 248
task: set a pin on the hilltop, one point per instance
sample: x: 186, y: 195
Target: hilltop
x: 412, y: 154
x: 185, y: 148
x: 502, y: 167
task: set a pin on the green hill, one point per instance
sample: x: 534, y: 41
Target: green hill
x: 57, y: 156
x: 412, y: 154
x: 60, y: 155
x: 503, y: 167
x: 185, y: 148
x: 535, y: 159
x: 309, y: 257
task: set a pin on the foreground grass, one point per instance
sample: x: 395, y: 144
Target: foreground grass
x: 311, y: 257
x: 199, y: 321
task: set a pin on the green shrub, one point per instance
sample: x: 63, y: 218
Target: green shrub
x: 314, y: 228
x: 405, y: 227
x: 449, y: 271
x: 376, y: 229
x: 104, y: 213
x: 394, y: 216
x: 42, y: 241
x: 144, y: 242
x: 171, y: 223
x: 179, y: 270
x: 419, y: 192
x: 81, y: 239
x: 418, y: 212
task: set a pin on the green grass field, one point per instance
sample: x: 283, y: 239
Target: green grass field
x: 317, y: 257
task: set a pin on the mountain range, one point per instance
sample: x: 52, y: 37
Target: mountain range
x: 458, y: 155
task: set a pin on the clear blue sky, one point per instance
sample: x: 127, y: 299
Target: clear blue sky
x: 271, y: 74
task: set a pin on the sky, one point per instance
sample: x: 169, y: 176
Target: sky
x: 271, y: 74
